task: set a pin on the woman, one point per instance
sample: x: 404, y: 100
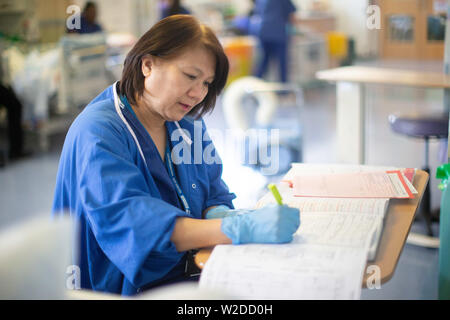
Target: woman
x: 140, y: 209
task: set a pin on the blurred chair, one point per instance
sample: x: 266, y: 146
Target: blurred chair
x: 34, y: 257
x: 250, y: 105
x: 423, y: 126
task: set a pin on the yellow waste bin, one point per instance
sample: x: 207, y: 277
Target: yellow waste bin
x: 239, y: 51
x: 337, y: 44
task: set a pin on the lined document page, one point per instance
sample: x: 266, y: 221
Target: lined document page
x: 340, y: 229
x: 290, y: 271
x: 336, y: 206
x: 325, y: 260
x: 305, y: 204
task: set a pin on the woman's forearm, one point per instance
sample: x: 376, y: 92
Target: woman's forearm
x: 191, y: 233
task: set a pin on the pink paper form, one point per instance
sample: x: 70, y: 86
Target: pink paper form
x: 389, y: 184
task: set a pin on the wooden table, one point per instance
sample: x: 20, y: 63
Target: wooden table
x: 398, y: 222
x: 350, y: 101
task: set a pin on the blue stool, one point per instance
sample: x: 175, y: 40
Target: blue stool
x: 423, y: 126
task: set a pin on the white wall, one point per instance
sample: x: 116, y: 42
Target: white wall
x: 129, y: 16
x: 350, y: 19
x: 136, y: 16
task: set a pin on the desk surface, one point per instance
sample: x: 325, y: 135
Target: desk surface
x: 398, y: 222
x: 376, y: 75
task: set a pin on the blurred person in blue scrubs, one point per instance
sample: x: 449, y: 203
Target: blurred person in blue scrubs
x: 88, y: 20
x: 270, y: 24
x: 241, y: 23
x: 140, y: 175
x: 172, y: 7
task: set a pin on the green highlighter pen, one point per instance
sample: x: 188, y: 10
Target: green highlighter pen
x: 275, y: 193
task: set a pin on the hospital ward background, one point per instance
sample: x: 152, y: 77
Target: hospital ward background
x: 362, y: 82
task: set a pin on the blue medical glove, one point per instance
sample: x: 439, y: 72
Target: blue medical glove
x: 218, y: 212
x: 222, y: 211
x: 270, y: 224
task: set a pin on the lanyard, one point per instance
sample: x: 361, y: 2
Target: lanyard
x: 171, y: 172
x: 170, y: 169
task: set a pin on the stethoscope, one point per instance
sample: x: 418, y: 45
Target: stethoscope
x: 120, y: 106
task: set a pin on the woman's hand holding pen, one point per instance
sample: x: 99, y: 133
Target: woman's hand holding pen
x: 270, y: 224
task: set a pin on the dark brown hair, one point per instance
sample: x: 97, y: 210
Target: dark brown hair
x: 167, y: 39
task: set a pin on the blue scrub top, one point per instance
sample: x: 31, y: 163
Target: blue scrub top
x: 270, y: 19
x: 125, y: 207
x: 155, y: 164
x: 87, y: 27
x: 165, y: 12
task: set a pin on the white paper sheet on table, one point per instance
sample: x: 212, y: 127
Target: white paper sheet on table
x: 290, y: 271
x: 337, y: 228
x: 355, y: 205
x: 363, y: 206
x: 325, y: 260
